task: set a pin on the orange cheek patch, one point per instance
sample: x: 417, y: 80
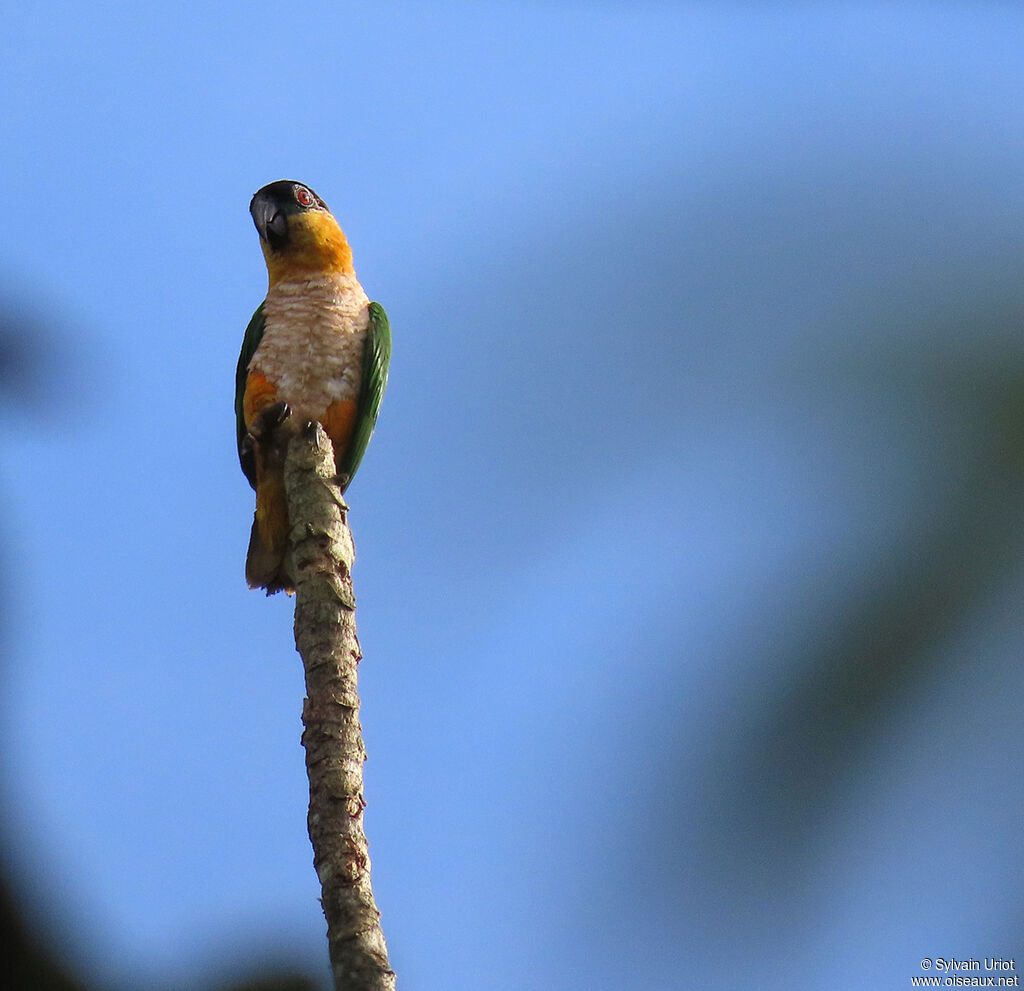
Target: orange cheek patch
x: 259, y: 394
x: 316, y: 244
x: 338, y: 421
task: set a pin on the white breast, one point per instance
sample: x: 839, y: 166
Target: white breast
x: 312, y: 347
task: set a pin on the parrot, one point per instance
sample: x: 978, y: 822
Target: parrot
x: 316, y: 350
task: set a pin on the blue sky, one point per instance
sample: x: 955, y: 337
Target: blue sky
x: 707, y: 326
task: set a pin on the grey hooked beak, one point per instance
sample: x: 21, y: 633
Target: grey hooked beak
x: 271, y: 223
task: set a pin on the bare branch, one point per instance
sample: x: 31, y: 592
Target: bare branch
x: 325, y: 636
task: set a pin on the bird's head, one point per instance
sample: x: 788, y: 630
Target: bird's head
x: 298, y: 234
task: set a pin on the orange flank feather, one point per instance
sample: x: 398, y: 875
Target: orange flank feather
x: 269, y: 538
x: 338, y: 422
x: 259, y: 394
x: 272, y: 514
x: 317, y: 245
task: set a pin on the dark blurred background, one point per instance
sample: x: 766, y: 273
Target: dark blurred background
x: 691, y: 541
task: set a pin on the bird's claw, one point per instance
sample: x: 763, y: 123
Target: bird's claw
x: 269, y: 420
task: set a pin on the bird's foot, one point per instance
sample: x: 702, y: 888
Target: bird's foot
x: 268, y: 421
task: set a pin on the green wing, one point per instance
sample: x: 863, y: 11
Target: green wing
x: 376, y: 358
x: 251, y: 341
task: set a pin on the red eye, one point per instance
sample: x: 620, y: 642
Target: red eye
x: 304, y: 196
